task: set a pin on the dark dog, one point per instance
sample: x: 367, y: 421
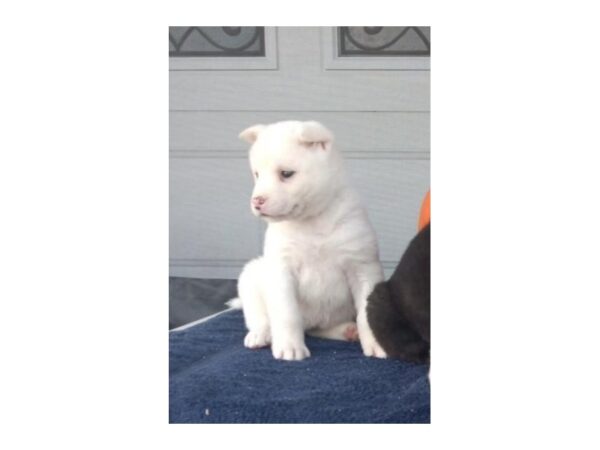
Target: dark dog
x: 398, y: 309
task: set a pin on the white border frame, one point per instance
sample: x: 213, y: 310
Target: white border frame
x: 331, y: 60
x: 267, y: 62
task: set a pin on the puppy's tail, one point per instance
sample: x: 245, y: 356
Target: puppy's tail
x: 235, y: 303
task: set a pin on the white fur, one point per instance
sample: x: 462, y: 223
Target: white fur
x: 320, y: 258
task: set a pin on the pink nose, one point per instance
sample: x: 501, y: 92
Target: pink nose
x: 257, y: 202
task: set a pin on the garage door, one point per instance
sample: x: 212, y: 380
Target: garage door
x: 369, y: 85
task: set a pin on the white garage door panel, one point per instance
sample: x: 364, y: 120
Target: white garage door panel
x: 210, y: 218
x: 368, y: 131
x: 392, y: 190
x: 274, y: 91
x: 300, y: 83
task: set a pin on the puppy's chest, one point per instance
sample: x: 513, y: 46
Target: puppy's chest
x: 313, y: 254
x: 318, y: 268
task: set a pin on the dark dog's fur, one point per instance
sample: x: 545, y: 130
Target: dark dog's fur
x: 398, y: 309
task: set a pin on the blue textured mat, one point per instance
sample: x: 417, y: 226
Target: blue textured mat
x: 215, y: 379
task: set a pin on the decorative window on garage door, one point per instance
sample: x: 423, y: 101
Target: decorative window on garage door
x: 222, y: 48
x: 376, y: 48
x: 216, y: 41
x: 383, y: 41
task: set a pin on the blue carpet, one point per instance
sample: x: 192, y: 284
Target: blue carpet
x: 215, y: 379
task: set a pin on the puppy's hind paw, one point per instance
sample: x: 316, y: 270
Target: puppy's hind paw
x: 351, y: 332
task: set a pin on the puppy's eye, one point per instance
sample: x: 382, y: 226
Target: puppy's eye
x: 256, y: 174
x: 287, y: 173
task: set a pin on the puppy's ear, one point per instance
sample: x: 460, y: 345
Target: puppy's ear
x: 314, y: 133
x: 251, y: 133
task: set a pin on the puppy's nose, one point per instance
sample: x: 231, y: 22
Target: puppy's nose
x: 257, y: 202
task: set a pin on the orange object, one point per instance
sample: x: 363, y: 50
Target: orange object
x: 425, y: 214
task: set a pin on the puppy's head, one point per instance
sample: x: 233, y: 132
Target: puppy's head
x: 295, y: 167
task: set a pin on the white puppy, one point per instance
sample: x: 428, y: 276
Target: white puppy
x: 320, y: 258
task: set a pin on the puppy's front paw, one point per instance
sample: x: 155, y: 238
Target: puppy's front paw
x: 368, y: 343
x: 290, y: 350
x: 372, y: 348
x: 257, y: 339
